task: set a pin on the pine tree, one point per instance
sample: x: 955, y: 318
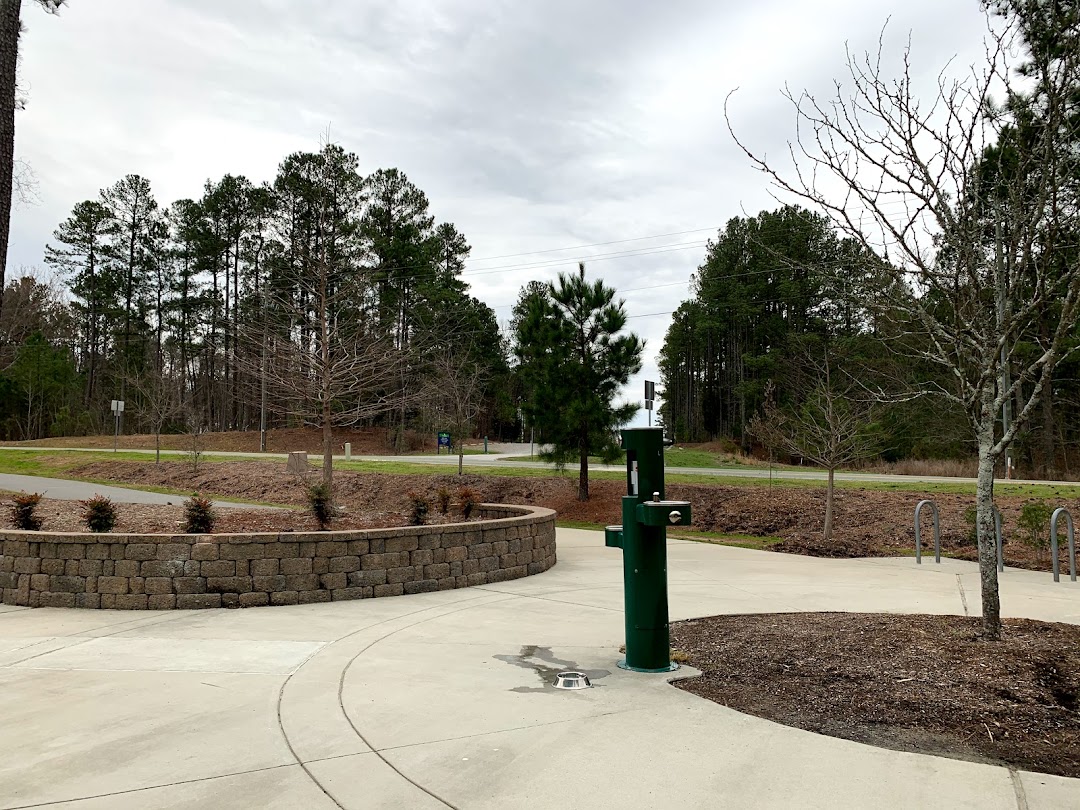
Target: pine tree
x: 84, y: 238
x: 570, y: 349
x: 135, y: 247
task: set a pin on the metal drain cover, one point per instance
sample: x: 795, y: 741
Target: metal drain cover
x: 572, y: 680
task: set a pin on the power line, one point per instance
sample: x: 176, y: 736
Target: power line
x: 595, y: 244
x: 597, y: 258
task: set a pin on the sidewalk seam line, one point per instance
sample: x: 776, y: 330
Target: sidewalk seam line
x: 149, y: 787
x: 1018, y: 789
x: 285, y: 683
x: 341, y: 689
x: 963, y: 596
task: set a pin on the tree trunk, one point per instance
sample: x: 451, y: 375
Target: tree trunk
x: 583, y: 475
x: 830, y: 489
x: 91, y: 377
x: 461, y: 458
x: 157, y: 443
x: 984, y: 508
x: 9, y: 50
x: 328, y: 446
x: 1048, y: 451
x: 262, y: 394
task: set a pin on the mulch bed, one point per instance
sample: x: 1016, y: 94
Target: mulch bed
x: 911, y: 683
x: 869, y: 523
x: 66, y: 517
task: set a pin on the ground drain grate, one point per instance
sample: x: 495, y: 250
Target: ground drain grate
x: 572, y: 680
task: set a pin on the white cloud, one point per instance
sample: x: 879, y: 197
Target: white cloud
x: 531, y: 126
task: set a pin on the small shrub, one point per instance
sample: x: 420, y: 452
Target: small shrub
x: 99, y: 513
x: 1034, y: 524
x: 24, y: 511
x: 199, y: 515
x: 468, y: 498
x: 443, y: 496
x: 321, y: 504
x: 419, y: 505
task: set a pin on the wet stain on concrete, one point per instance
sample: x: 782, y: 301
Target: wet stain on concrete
x: 546, y: 666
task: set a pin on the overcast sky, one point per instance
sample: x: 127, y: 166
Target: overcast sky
x: 533, y: 126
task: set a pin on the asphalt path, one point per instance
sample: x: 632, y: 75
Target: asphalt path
x: 64, y: 490
x: 505, y: 456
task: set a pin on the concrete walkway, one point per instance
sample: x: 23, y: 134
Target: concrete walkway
x: 444, y: 700
x: 65, y: 490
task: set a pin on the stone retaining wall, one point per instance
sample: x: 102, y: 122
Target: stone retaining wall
x: 163, y: 572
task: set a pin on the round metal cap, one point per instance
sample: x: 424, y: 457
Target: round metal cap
x: 572, y: 680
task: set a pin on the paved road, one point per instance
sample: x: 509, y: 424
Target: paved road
x: 502, y: 459
x: 65, y: 490
x: 443, y: 700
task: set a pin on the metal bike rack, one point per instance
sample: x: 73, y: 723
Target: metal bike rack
x: 1061, y: 510
x: 918, y: 533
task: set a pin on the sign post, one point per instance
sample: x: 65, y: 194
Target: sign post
x: 650, y: 397
x: 118, y: 410
x: 444, y: 441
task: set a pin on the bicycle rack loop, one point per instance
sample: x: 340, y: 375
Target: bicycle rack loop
x: 1061, y: 510
x: 937, y: 531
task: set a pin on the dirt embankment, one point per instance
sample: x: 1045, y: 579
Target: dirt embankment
x: 868, y: 522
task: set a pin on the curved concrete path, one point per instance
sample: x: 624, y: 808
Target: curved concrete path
x: 66, y: 490
x: 443, y: 700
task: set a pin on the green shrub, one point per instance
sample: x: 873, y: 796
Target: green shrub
x: 468, y: 498
x: 24, y: 511
x: 321, y: 504
x: 419, y: 505
x: 443, y: 496
x: 1034, y: 524
x: 199, y: 515
x: 99, y: 513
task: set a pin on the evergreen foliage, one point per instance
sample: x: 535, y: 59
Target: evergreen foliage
x: 23, y: 512
x: 321, y: 503
x: 99, y: 513
x: 199, y: 515
x: 468, y: 500
x: 574, y: 358
x: 418, y: 509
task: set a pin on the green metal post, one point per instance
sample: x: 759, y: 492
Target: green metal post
x: 643, y: 539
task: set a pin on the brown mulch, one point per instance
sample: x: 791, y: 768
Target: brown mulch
x: 868, y: 523
x: 911, y: 683
x: 66, y: 516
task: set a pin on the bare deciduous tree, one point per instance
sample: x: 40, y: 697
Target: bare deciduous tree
x: 966, y: 204
x: 458, y: 385
x: 343, y: 374
x: 832, y: 426
x: 158, y: 401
